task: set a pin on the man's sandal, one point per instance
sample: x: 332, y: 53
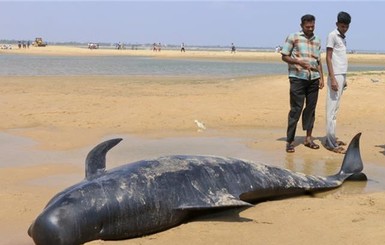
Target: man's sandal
x: 290, y: 148
x: 311, y: 145
x: 338, y: 149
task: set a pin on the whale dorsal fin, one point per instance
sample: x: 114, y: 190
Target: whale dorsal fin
x: 96, y: 158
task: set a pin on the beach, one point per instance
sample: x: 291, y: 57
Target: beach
x: 49, y: 123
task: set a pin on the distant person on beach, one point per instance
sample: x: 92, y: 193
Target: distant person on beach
x: 182, y: 48
x: 232, y: 48
x: 337, y: 64
x: 302, y: 53
x: 156, y: 47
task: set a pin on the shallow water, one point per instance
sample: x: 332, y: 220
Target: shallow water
x: 33, y: 65
x: 29, y: 65
x: 21, y: 152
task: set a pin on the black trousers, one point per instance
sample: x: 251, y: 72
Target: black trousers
x: 302, y: 91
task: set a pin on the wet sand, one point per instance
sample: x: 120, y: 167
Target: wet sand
x: 50, y: 123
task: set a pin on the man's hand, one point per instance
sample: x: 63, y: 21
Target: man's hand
x: 305, y: 65
x: 321, y: 83
x: 334, y: 84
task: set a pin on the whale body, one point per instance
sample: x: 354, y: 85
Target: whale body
x: 149, y: 196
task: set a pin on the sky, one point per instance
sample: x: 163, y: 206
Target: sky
x: 244, y: 23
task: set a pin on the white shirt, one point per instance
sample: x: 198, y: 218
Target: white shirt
x: 339, y: 57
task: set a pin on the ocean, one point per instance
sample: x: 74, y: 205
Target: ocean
x: 31, y: 65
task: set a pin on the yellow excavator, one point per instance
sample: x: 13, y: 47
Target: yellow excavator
x: 39, y: 42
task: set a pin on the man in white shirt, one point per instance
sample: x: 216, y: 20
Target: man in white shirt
x: 337, y: 64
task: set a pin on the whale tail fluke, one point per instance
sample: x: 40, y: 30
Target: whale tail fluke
x: 352, y: 163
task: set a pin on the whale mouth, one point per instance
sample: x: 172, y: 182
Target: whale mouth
x: 30, y: 230
x: 44, y: 231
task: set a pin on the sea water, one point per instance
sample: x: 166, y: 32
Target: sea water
x: 34, y: 65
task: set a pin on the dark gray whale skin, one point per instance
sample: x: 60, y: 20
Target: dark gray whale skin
x: 153, y: 195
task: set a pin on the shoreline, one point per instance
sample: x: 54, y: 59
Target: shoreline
x: 265, y: 56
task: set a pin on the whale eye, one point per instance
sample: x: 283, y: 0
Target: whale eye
x: 101, y: 229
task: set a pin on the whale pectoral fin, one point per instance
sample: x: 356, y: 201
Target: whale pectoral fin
x: 96, y: 158
x: 230, y: 201
x: 223, y: 202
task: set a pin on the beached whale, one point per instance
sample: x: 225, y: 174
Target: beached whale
x: 153, y: 195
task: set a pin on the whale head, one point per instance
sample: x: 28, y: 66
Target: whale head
x: 71, y: 217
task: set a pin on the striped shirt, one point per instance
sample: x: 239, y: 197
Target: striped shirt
x: 298, y: 46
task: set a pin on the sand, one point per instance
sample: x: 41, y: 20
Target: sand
x: 67, y: 115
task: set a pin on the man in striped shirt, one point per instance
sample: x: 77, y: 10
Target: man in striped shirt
x: 302, y: 53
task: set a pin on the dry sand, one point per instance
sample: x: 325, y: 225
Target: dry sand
x: 62, y: 114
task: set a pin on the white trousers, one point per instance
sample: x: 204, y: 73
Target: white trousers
x: 332, y: 104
